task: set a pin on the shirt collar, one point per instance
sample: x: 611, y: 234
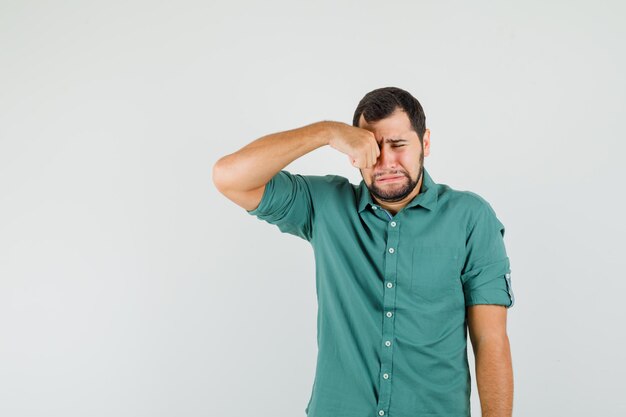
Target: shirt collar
x: 426, y: 198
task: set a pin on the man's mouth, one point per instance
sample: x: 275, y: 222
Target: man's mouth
x: 389, y: 178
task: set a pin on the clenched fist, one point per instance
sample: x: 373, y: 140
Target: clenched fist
x: 359, y: 144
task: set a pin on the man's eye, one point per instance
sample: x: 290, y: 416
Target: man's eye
x: 396, y: 146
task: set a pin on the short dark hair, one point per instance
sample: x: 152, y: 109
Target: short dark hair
x: 382, y: 102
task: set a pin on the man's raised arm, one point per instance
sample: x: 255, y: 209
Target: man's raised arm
x: 242, y: 175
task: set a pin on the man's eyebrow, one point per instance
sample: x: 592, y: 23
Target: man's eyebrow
x: 395, y: 140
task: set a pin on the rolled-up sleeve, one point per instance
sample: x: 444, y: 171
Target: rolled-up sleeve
x: 486, y: 274
x: 287, y: 203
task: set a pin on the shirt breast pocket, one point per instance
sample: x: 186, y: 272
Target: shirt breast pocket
x: 436, y: 271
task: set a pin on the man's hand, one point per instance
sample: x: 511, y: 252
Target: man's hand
x: 359, y: 144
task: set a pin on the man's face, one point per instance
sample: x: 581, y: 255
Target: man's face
x: 401, y: 156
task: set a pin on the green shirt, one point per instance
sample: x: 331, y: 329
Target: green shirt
x: 392, y: 291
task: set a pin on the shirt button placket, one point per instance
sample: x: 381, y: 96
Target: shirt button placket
x: 389, y: 306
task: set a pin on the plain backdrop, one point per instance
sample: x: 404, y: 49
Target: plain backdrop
x: 129, y: 286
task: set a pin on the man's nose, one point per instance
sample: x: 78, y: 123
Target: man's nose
x: 386, y: 158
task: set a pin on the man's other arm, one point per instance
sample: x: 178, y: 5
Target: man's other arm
x: 494, y: 369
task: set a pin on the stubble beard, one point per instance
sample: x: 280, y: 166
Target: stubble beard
x: 396, y: 192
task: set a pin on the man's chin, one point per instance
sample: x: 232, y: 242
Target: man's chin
x: 380, y: 194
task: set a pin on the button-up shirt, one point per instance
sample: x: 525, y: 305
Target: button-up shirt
x: 392, y: 291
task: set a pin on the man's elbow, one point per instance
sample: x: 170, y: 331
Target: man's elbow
x: 491, y: 341
x: 215, y: 176
x: 220, y: 175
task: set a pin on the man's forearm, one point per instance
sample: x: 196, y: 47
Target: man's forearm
x: 256, y: 163
x: 494, y: 377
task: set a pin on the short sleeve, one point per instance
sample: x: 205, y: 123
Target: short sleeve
x: 486, y: 274
x: 287, y: 203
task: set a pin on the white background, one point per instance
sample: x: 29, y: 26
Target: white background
x: 129, y: 286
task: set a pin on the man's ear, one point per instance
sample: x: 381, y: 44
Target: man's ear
x: 426, y: 141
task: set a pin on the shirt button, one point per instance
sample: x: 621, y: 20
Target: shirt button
x: 389, y: 314
x: 374, y: 207
x: 389, y: 285
x: 381, y: 413
x: 387, y: 343
x: 393, y: 224
x: 391, y: 250
x: 386, y: 376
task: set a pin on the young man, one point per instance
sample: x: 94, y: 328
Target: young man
x: 404, y: 266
